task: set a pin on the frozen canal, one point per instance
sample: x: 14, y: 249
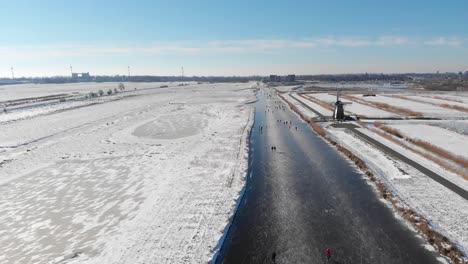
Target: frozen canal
x: 305, y: 197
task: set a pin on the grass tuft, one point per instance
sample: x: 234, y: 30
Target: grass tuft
x: 318, y: 129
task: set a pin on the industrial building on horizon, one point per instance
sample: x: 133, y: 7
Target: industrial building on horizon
x: 81, y: 75
x: 288, y: 78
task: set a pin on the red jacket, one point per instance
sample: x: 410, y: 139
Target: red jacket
x: 328, y: 252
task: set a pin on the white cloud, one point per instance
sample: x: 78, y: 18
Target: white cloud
x: 443, y: 41
x: 16, y: 53
x: 392, y: 41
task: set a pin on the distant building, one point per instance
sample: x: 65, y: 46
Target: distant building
x: 275, y: 78
x: 288, y: 78
x: 291, y: 78
x: 81, y: 75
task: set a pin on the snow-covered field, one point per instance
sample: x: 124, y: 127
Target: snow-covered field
x: 427, y: 110
x: 459, y: 126
x: 288, y: 88
x: 314, y: 106
x: 31, y: 90
x: 446, y: 211
x: 445, y: 139
x: 437, y: 101
x: 306, y: 112
x: 354, y: 108
x: 149, y: 178
x: 453, y: 96
x: 450, y: 176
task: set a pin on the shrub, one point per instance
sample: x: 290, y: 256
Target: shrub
x: 121, y: 87
x: 389, y: 130
x: 455, y: 107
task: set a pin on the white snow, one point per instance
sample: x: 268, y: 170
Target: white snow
x: 437, y: 101
x: 454, y: 178
x: 427, y: 110
x: 306, y: 112
x: 354, y: 108
x: 446, y: 210
x: 313, y: 105
x: 151, y: 178
x: 458, y: 126
x: 43, y: 109
x: 31, y: 90
x: 287, y: 88
x: 456, y: 96
x: 440, y: 137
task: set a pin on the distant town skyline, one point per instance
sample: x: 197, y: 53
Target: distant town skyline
x: 232, y: 38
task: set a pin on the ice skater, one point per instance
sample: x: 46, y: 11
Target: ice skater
x: 328, y: 254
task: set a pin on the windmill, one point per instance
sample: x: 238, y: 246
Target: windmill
x: 338, y: 111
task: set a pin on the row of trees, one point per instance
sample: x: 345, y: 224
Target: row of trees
x: 120, y: 88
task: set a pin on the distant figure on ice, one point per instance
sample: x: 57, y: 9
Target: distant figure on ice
x: 328, y: 254
x: 273, y: 257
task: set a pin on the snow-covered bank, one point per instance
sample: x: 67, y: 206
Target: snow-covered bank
x: 452, y: 177
x: 148, y: 179
x: 316, y: 107
x: 445, y: 210
x: 427, y: 110
x: 440, y: 137
x: 306, y: 112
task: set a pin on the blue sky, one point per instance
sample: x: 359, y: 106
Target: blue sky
x: 232, y: 37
